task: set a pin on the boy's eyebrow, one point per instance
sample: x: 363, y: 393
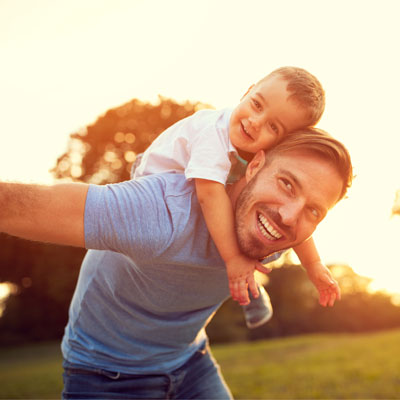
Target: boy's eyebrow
x: 276, y: 118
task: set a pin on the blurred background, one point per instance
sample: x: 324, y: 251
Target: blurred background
x: 87, y: 85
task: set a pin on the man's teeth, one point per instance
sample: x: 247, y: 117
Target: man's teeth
x: 267, y: 230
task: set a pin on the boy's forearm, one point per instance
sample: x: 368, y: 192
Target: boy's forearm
x: 43, y: 213
x: 308, y: 253
x: 218, y: 213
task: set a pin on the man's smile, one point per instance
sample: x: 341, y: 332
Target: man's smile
x: 267, y: 229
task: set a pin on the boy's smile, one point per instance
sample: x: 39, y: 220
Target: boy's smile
x: 264, y: 116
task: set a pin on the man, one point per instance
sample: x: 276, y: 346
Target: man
x: 155, y: 278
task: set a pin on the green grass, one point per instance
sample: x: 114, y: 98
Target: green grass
x: 31, y: 372
x: 362, y: 366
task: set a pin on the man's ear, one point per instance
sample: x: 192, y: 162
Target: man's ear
x: 248, y: 91
x: 255, y: 165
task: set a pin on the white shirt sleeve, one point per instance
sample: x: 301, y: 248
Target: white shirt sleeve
x: 197, y: 146
x: 209, y: 156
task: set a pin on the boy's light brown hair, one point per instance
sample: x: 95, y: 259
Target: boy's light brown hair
x: 305, y: 89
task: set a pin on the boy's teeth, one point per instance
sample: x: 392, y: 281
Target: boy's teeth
x: 267, y: 230
x: 244, y: 128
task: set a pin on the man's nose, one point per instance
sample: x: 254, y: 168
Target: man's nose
x: 290, y: 212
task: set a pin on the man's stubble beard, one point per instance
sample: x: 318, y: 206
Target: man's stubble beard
x: 250, y: 245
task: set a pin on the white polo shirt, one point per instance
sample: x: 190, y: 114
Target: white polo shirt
x: 197, y: 146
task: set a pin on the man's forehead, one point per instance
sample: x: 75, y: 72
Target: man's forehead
x: 310, y: 172
x: 301, y: 155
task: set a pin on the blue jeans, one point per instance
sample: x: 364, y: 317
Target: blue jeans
x: 199, y: 378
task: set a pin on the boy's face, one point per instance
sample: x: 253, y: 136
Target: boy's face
x: 264, y: 116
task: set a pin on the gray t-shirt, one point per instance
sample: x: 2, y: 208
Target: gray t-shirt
x: 152, y: 281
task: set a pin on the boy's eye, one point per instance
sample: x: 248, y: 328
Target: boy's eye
x: 274, y: 128
x: 257, y: 104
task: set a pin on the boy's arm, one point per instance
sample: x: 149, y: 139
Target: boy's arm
x: 219, y: 217
x: 43, y: 213
x: 319, y: 274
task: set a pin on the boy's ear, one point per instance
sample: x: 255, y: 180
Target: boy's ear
x: 255, y: 165
x: 248, y: 91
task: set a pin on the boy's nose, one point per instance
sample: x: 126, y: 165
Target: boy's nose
x: 256, y: 122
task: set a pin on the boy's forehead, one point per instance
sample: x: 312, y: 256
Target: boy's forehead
x: 272, y: 92
x: 272, y: 82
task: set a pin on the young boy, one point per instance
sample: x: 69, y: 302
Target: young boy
x: 209, y: 144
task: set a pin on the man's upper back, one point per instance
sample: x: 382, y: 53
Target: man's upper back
x: 142, y: 306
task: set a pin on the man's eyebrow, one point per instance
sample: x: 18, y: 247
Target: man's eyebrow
x: 276, y: 118
x: 292, y: 177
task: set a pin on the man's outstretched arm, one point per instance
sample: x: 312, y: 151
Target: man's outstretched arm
x: 42, y: 213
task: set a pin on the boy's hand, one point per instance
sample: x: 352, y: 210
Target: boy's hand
x: 328, y: 288
x: 240, y: 271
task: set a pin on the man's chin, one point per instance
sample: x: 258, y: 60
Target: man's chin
x: 258, y: 252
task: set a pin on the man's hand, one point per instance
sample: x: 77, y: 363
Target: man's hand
x: 240, y: 271
x: 328, y: 288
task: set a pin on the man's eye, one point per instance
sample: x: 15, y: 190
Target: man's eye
x: 314, y: 212
x: 287, y: 184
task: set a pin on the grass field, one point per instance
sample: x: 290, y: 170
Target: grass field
x: 362, y: 366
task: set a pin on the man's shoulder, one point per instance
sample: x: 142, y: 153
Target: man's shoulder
x: 167, y: 185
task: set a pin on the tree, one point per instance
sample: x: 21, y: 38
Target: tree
x: 104, y: 152
x: 297, y: 311
x: 396, y: 204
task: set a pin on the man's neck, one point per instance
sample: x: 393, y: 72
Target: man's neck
x: 235, y: 189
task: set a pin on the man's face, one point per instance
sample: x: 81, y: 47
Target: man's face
x: 264, y: 116
x: 283, y: 203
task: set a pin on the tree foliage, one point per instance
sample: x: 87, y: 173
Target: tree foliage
x: 297, y: 311
x: 396, y: 204
x: 104, y: 151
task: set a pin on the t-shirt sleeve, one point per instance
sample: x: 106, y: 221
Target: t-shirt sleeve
x: 273, y: 257
x: 209, y: 156
x: 127, y: 218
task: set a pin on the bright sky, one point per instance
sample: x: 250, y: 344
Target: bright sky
x: 63, y: 63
